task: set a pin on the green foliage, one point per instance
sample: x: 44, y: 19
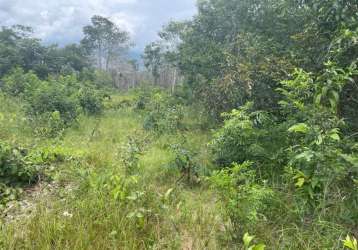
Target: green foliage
x: 17, y: 83
x: 55, y: 103
x: 16, y: 171
x: 131, y: 152
x: 244, y: 198
x: 91, y: 101
x: 317, y: 153
x: 303, y: 149
x: 48, y: 124
x: 247, y: 239
x: 184, y: 161
x: 164, y: 114
x: 249, y: 136
x: 52, y: 96
x: 350, y: 243
x: 18, y: 48
x: 14, y: 167
x: 229, y: 61
x: 283, y: 73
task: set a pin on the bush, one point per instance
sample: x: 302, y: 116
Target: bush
x: 244, y: 198
x: 249, y: 136
x: 15, y: 172
x: 48, y: 124
x: 14, y: 169
x: 131, y: 151
x: 55, y: 103
x: 17, y: 82
x: 164, y: 114
x: 300, y: 148
x: 184, y: 161
x: 91, y: 101
x: 49, y: 98
x: 322, y: 162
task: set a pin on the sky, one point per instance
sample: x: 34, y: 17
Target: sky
x: 61, y: 21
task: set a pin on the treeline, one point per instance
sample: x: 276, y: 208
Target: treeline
x: 102, y: 54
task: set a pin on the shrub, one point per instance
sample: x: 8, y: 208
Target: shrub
x: 55, y: 103
x: 244, y: 198
x: 14, y: 169
x: 322, y: 162
x: 91, y: 101
x: 15, y: 172
x: 48, y: 124
x: 164, y: 114
x: 301, y: 144
x: 131, y: 152
x: 184, y: 161
x: 49, y: 98
x: 249, y: 136
x: 17, y: 82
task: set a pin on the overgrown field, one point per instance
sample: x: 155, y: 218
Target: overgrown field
x: 240, y: 133
x: 141, y: 176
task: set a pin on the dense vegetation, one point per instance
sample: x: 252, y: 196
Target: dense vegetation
x: 254, y: 134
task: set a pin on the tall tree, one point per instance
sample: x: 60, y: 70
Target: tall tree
x: 153, y: 59
x: 238, y: 50
x: 105, y: 41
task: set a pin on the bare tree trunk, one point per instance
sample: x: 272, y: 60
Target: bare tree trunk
x: 174, y: 80
x: 100, y: 55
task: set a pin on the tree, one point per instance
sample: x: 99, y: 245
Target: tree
x: 19, y: 49
x: 153, y: 60
x: 105, y: 40
x: 160, y: 57
x: 234, y: 51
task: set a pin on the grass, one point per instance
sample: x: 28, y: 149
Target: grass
x: 94, y: 202
x: 89, y: 215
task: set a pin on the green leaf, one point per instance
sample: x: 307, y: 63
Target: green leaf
x: 350, y: 243
x: 307, y: 155
x: 299, y: 128
x: 335, y: 137
x: 300, y: 182
x: 335, y: 95
x: 131, y: 215
x: 318, y: 99
x: 247, y: 239
x: 319, y: 140
x: 259, y: 247
x: 167, y: 194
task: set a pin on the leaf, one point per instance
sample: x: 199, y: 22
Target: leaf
x: 335, y: 95
x: 318, y: 99
x: 335, y: 137
x: 351, y: 159
x: 300, y: 182
x: 319, y: 140
x: 350, y: 243
x: 332, y: 102
x: 299, y: 128
x: 131, y: 215
x: 139, y: 215
x: 167, y: 194
x: 259, y: 247
x: 247, y: 239
x: 307, y: 155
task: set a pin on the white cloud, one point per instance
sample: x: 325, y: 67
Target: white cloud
x: 61, y: 21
